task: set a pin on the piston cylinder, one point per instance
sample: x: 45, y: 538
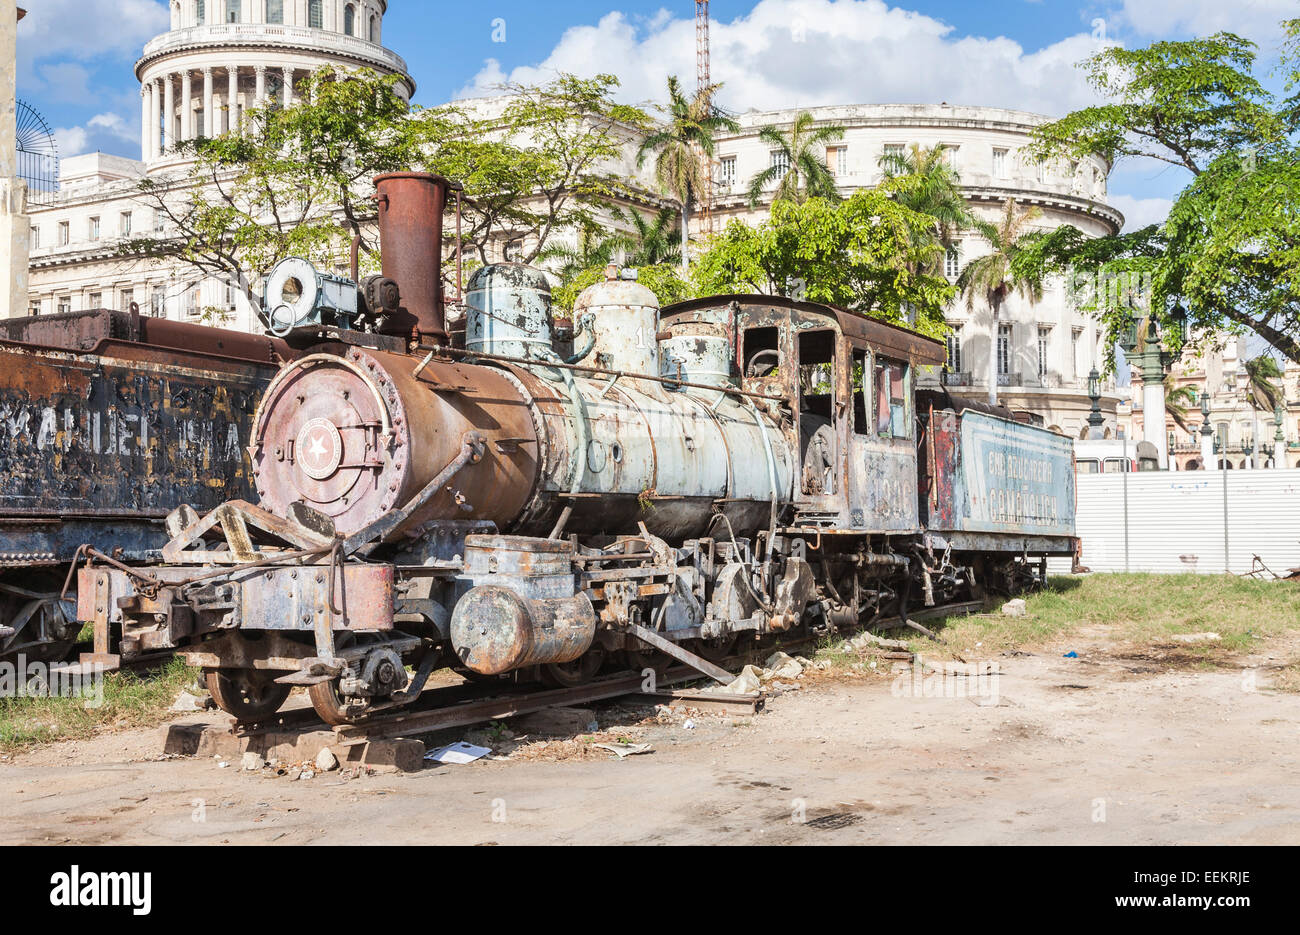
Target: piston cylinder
x: 496, y: 630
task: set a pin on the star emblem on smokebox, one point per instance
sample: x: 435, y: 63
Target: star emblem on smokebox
x: 320, y: 449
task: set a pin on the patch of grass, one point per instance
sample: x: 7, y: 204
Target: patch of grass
x: 1143, y: 609
x: 129, y: 700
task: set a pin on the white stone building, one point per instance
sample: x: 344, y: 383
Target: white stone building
x: 1045, y: 349
x: 219, y: 59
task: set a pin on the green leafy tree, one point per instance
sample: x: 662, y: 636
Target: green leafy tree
x: 924, y: 180
x: 1002, y: 272
x: 596, y: 248
x: 1179, y: 400
x: 654, y: 240
x: 799, y: 162
x: 1229, y: 254
x: 663, y: 279
x: 297, y: 184
x: 866, y: 254
x: 680, y: 147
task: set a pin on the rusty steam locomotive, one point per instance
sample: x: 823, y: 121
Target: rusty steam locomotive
x: 545, y: 498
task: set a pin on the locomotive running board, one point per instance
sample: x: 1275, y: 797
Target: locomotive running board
x: 717, y: 673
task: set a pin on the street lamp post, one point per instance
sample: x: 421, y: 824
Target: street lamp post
x: 1095, y: 418
x: 1279, y: 439
x: 1248, y: 448
x: 1144, y: 353
x: 1208, y: 460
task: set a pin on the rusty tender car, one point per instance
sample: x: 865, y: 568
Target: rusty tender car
x: 107, y: 420
x: 549, y: 498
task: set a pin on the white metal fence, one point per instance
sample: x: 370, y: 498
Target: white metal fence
x: 1209, y: 522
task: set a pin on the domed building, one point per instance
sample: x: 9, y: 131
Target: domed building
x: 219, y: 60
x: 223, y: 57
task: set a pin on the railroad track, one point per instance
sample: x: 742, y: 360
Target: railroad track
x: 471, y: 703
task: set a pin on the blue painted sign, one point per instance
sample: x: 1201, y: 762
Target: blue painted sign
x: 1017, y: 478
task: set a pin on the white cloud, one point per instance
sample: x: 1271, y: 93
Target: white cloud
x: 1256, y: 19
x: 787, y: 53
x: 1141, y: 212
x: 71, y: 140
x: 60, y: 28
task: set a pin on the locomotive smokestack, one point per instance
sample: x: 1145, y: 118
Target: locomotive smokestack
x: 411, y: 205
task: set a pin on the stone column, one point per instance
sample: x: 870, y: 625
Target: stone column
x: 144, y: 123
x: 187, y: 106
x: 288, y: 86
x: 232, y: 99
x: 209, y: 122
x: 155, y: 121
x: 260, y: 71
x: 15, y: 229
x: 169, y: 113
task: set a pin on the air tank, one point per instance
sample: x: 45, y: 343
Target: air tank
x: 508, y: 311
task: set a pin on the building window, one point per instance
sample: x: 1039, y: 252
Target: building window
x: 96, y: 300
x: 34, y: 309
x: 1044, y: 172
x: 92, y: 231
x: 1075, y: 338
x: 374, y: 28
x: 232, y: 10
x: 780, y: 162
x: 200, y: 12
x: 36, y: 237
x: 837, y: 160
x: 158, y: 302
x: 950, y: 153
x: 1004, y: 350
x: 999, y: 163
x: 63, y: 233
x: 124, y: 224
x: 954, y: 348
x: 275, y: 11
x: 191, y: 303
x: 727, y: 173
x: 128, y: 296
x: 159, y: 220
x: 514, y: 251
x: 952, y: 262
x: 1044, y: 344
x: 349, y: 20
x: 314, y: 19
x: 64, y: 305
x: 894, y: 150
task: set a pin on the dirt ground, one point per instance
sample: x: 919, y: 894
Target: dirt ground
x: 1113, y: 747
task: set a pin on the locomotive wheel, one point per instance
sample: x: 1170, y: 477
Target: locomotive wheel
x: 575, y: 673
x: 330, y: 705
x: 246, y: 693
x: 716, y: 650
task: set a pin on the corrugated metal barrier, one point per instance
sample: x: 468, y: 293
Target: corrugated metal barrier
x: 1209, y: 522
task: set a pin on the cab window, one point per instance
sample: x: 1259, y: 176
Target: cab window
x: 861, y: 392
x: 892, y: 412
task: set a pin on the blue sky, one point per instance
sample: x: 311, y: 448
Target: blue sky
x: 76, y: 56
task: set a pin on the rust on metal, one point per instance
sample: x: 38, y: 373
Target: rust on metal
x: 411, y: 205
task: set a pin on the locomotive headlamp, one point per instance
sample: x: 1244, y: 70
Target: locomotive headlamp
x: 297, y: 294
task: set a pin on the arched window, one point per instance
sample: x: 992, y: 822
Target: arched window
x: 349, y: 20
x: 374, y: 28
x: 275, y: 11
x: 314, y: 14
x: 232, y: 10
x: 200, y: 12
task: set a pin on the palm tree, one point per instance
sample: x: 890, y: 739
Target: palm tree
x: 998, y: 274
x: 1261, y: 392
x: 594, y: 248
x: 1177, y: 401
x: 798, y: 162
x: 925, y: 181
x: 654, y: 240
x: 678, y: 146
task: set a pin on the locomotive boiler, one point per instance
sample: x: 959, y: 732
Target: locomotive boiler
x: 529, y: 497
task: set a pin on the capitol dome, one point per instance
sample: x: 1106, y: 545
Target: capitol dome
x: 222, y: 57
